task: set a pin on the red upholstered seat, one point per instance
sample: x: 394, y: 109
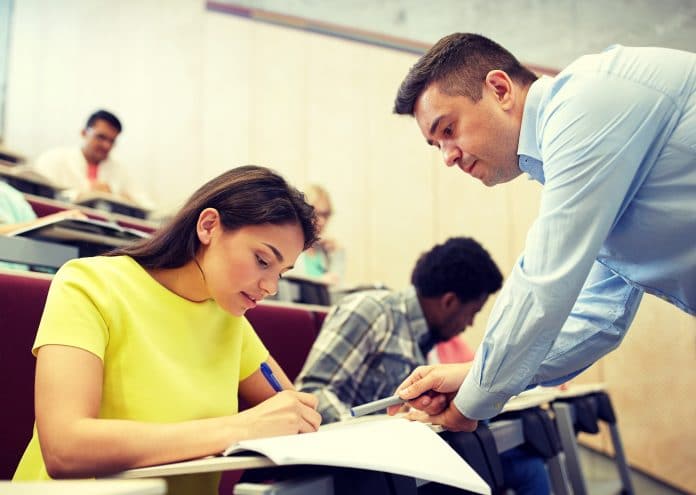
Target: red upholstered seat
x: 22, y: 298
x: 42, y: 208
x: 136, y: 226
x: 319, y: 317
x: 287, y: 331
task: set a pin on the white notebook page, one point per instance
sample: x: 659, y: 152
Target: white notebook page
x: 390, y: 445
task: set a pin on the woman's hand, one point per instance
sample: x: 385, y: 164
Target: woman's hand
x: 285, y: 413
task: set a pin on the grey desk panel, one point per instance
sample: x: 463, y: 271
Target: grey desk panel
x: 507, y: 433
x: 565, y: 421
x: 321, y: 485
x: 37, y: 253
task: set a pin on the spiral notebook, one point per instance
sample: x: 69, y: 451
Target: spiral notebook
x: 387, y: 444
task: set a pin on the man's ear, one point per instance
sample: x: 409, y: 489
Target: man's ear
x: 500, y: 83
x: 208, y: 221
x: 83, y: 132
x: 448, y: 300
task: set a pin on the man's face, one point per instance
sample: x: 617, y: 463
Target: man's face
x: 99, y: 139
x: 457, y: 317
x: 479, y: 137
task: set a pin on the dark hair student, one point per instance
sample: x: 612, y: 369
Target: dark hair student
x: 248, y: 195
x: 143, y: 353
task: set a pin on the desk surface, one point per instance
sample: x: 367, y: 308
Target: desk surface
x: 137, y: 223
x: 580, y: 390
x: 23, y: 173
x: 305, y: 278
x: 529, y: 399
x: 85, y: 487
x: 92, y: 196
x: 35, y: 252
x: 545, y: 395
x: 205, y: 465
x: 75, y: 230
x: 507, y: 433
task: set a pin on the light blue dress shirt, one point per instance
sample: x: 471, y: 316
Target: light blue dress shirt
x: 613, y: 140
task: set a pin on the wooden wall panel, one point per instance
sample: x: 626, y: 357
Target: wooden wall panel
x: 336, y: 113
x: 278, y: 93
x: 226, y: 95
x: 497, y: 217
x: 652, y: 387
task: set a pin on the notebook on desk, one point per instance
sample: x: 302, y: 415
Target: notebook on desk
x: 391, y: 445
x: 79, y: 229
x: 28, y: 180
x: 111, y: 202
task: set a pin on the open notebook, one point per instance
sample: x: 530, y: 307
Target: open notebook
x: 387, y: 444
x: 80, y: 229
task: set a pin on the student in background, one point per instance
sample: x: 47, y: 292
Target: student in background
x: 16, y: 213
x: 141, y: 354
x: 89, y: 167
x: 372, y: 340
x: 325, y: 260
x: 612, y: 140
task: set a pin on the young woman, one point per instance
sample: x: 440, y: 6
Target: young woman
x: 325, y: 259
x: 141, y: 354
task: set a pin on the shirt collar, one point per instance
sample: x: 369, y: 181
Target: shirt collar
x: 529, y: 155
x: 416, y: 320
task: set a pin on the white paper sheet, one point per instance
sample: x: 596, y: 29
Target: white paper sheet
x: 391, y: 445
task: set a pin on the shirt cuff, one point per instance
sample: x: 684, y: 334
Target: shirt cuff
x: 476, y: 403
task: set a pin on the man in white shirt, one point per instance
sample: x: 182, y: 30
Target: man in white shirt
x: 89, y: 168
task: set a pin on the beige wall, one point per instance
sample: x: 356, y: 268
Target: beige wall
x: 201, y: 92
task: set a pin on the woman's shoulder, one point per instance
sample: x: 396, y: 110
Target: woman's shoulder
x: 99, y: 262
x: 108, y: 268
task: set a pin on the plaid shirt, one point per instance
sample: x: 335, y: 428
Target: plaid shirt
x: 367, y: 346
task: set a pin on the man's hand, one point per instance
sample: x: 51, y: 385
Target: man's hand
x: 441, y: 379
x: 450, y: 419
x: 100, y: 186
x: 432, y: 389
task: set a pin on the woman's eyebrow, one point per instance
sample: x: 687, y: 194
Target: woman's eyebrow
x: 275, y: 250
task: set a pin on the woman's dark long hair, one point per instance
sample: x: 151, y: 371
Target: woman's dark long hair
x: 248, y: 195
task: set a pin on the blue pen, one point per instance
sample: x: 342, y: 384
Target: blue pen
x: 270, y: 377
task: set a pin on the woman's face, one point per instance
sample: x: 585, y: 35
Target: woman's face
x: 322, y: 209
x: 243, y: 266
